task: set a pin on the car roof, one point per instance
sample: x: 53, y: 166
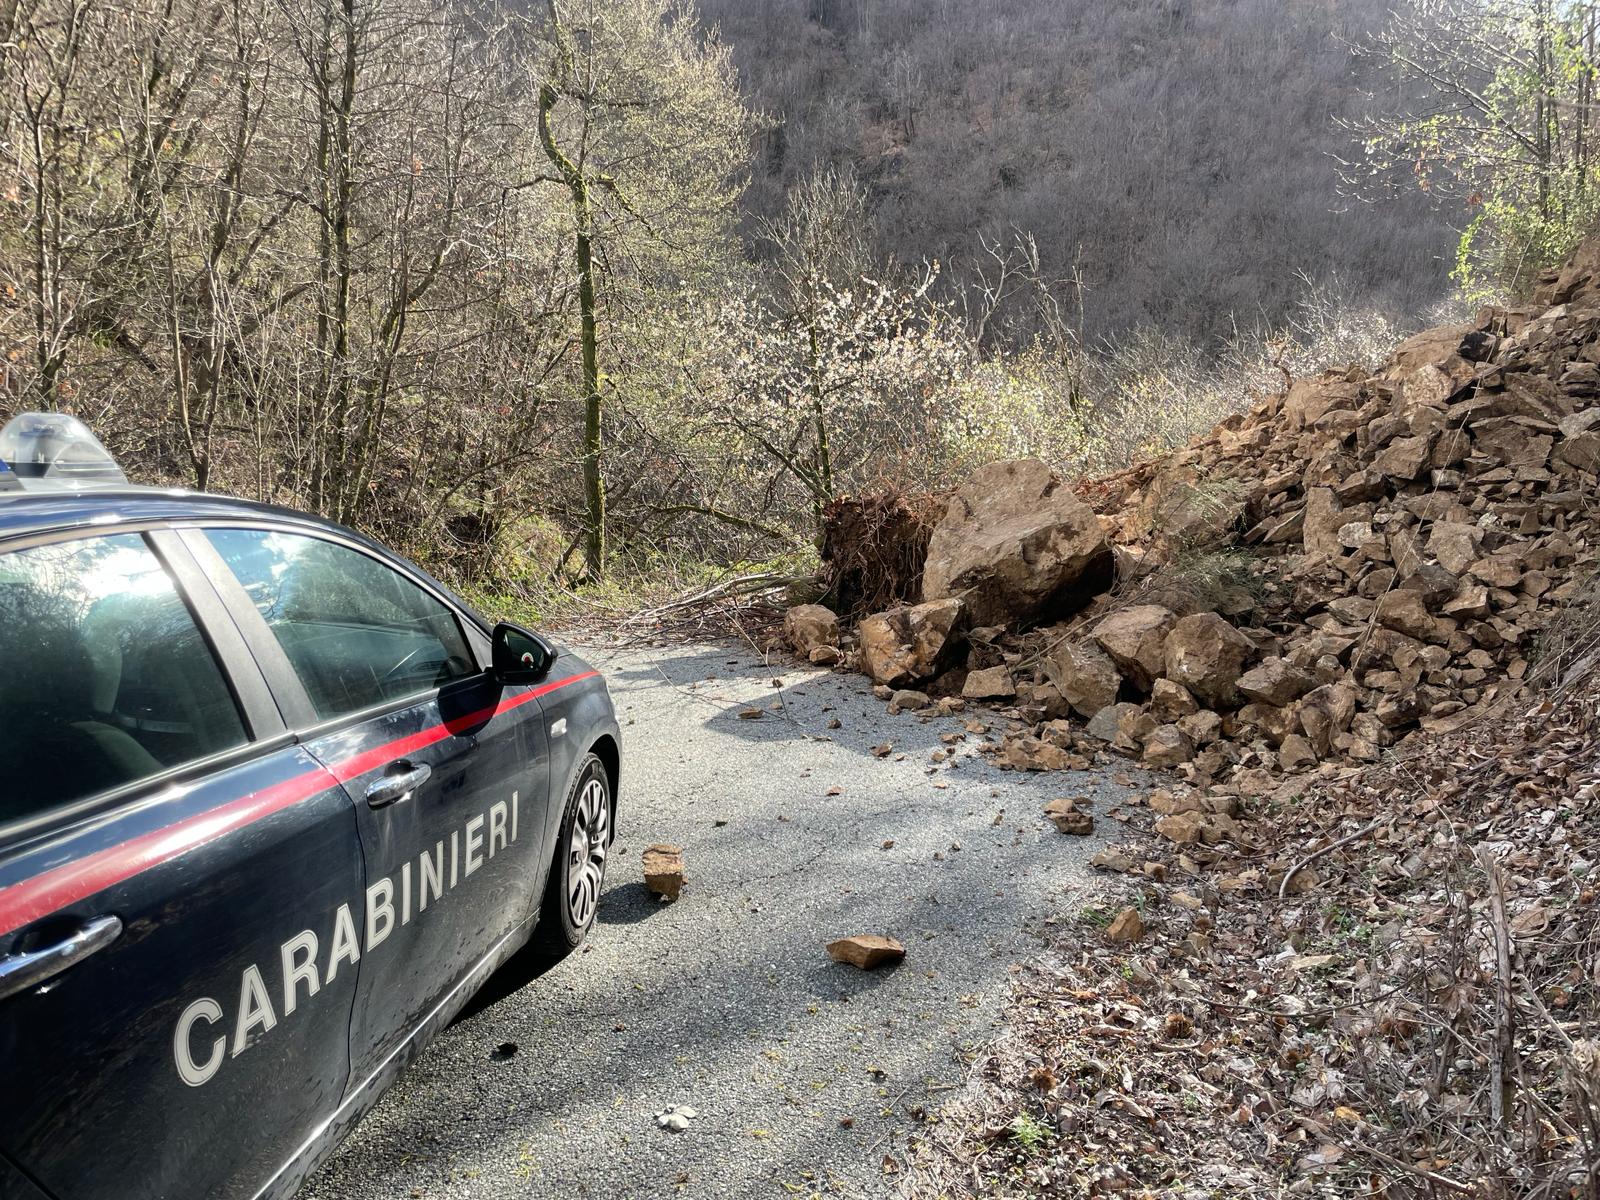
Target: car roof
x: 40, y: 507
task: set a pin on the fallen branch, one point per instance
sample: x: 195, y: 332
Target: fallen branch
x: 764, y: 581
x: 1283, y: 888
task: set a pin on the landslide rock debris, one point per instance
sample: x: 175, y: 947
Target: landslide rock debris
x: 1367, y: 556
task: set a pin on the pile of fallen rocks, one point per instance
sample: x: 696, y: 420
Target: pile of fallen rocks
x: 1369, y: 554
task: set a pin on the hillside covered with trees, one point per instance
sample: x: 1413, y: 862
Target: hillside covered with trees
x: 1177, y: 158
x: 622, y: 290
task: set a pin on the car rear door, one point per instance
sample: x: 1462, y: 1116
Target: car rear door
x: 172, y: 1023
x: 448, y: 770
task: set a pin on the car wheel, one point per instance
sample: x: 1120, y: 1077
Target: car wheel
x: 583, y: 843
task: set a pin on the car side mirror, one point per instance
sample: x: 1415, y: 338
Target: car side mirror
x: 520, y: 655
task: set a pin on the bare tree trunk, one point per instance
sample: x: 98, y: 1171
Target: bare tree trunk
x: 594, y: 485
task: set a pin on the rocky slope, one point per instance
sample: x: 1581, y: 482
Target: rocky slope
x: 1362, y: 557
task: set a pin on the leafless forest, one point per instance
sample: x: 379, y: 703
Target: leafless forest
x: 1176, y: 157
x: 615, y: 289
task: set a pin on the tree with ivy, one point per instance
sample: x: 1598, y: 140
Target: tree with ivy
x: 1492, y: 107
x: 640, y: 121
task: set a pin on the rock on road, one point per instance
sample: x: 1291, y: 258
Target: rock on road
x: 804, y: 1073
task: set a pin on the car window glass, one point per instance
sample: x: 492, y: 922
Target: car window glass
x: 106, y: 680
x: 357, y: 633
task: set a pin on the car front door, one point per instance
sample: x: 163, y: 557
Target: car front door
x: 171, y: 867
x: 448, y: 770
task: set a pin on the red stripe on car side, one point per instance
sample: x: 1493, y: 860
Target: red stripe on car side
x: 28, y: 901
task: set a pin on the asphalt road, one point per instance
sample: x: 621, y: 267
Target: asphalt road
x: 805, y: 1073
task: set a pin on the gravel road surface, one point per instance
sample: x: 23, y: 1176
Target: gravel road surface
x: 805, y: 1073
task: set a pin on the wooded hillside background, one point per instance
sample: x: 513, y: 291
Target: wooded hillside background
x: 629, y: 290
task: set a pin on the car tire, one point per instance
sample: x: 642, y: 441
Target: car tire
x: 578, y: 868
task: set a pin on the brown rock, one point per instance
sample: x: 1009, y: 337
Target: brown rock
x: 1106, y: 723
x: 1276, y: 681
x: 1581, y: 453
x: 1309, y: 400
x: 1085, y: 677
x: 1471, y: 602
x: 1069, y: 818
x: 910, y: 643
x: 1455, y: 545
x: 1405, y: 612
x: 825, y: 656
x: 1512, y: 444
x: 1183, y: 828
x: 1432, y: 347
x: 991, y: 683
x: 1132, y: 728
x: 1167, y: 746
x: 1135, y: 638
x: 1015, y: 542
x: 1296, y: 754
x: 1171, y: 701
x: 1453, y: 446
x: 1405, y: 458
x: 663, y: 870
x: 1274, y: 723
x: 1126, y: 926
x: 866, y: 950
x: 808, y: 627
x: 1201, y: 727
x: 1324, y: 517
x: 1028, y: 753
x: 1206, y: 655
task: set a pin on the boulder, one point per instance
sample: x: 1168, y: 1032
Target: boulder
x: 1309, y: 400
x: 1167, y: 746
x: 1296, y: 753
x: 1171, y: 701
x: 1406, y: 612
x: 1107, y: 723
x: 1135, y: 638
x: 1207, y: 655
x: 909, y: 643
x: 809, y: 627
x: 1324, y: 517
x: 1276, y: 681
x: 1183, y: 828
x: 1455, y: 544
x: 866, y: 950
x: 1086, y: 678
x: 1405, y: 458
x: 1432, y: 346
x: 991, y: 683
x: 1015, y: 543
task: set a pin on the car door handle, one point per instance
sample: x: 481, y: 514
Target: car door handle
x: 19, y: 972
x: 392, y: 789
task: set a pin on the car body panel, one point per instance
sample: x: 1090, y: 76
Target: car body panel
x: 234, y: 876
x: 208, y: 881
x: 14, y: 1185
x: 454, y: 861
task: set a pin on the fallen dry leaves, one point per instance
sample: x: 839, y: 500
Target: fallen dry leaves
x: 1416, y: 1016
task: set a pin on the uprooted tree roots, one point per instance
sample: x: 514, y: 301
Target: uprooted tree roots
x: 873, y: 549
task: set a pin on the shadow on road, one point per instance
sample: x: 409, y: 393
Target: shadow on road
x: 516, y: 973
x: 628, y: 904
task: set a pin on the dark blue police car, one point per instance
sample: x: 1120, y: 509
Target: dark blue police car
x: 273, y: 803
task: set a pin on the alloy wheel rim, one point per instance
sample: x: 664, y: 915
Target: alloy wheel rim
x: 586, y: 853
